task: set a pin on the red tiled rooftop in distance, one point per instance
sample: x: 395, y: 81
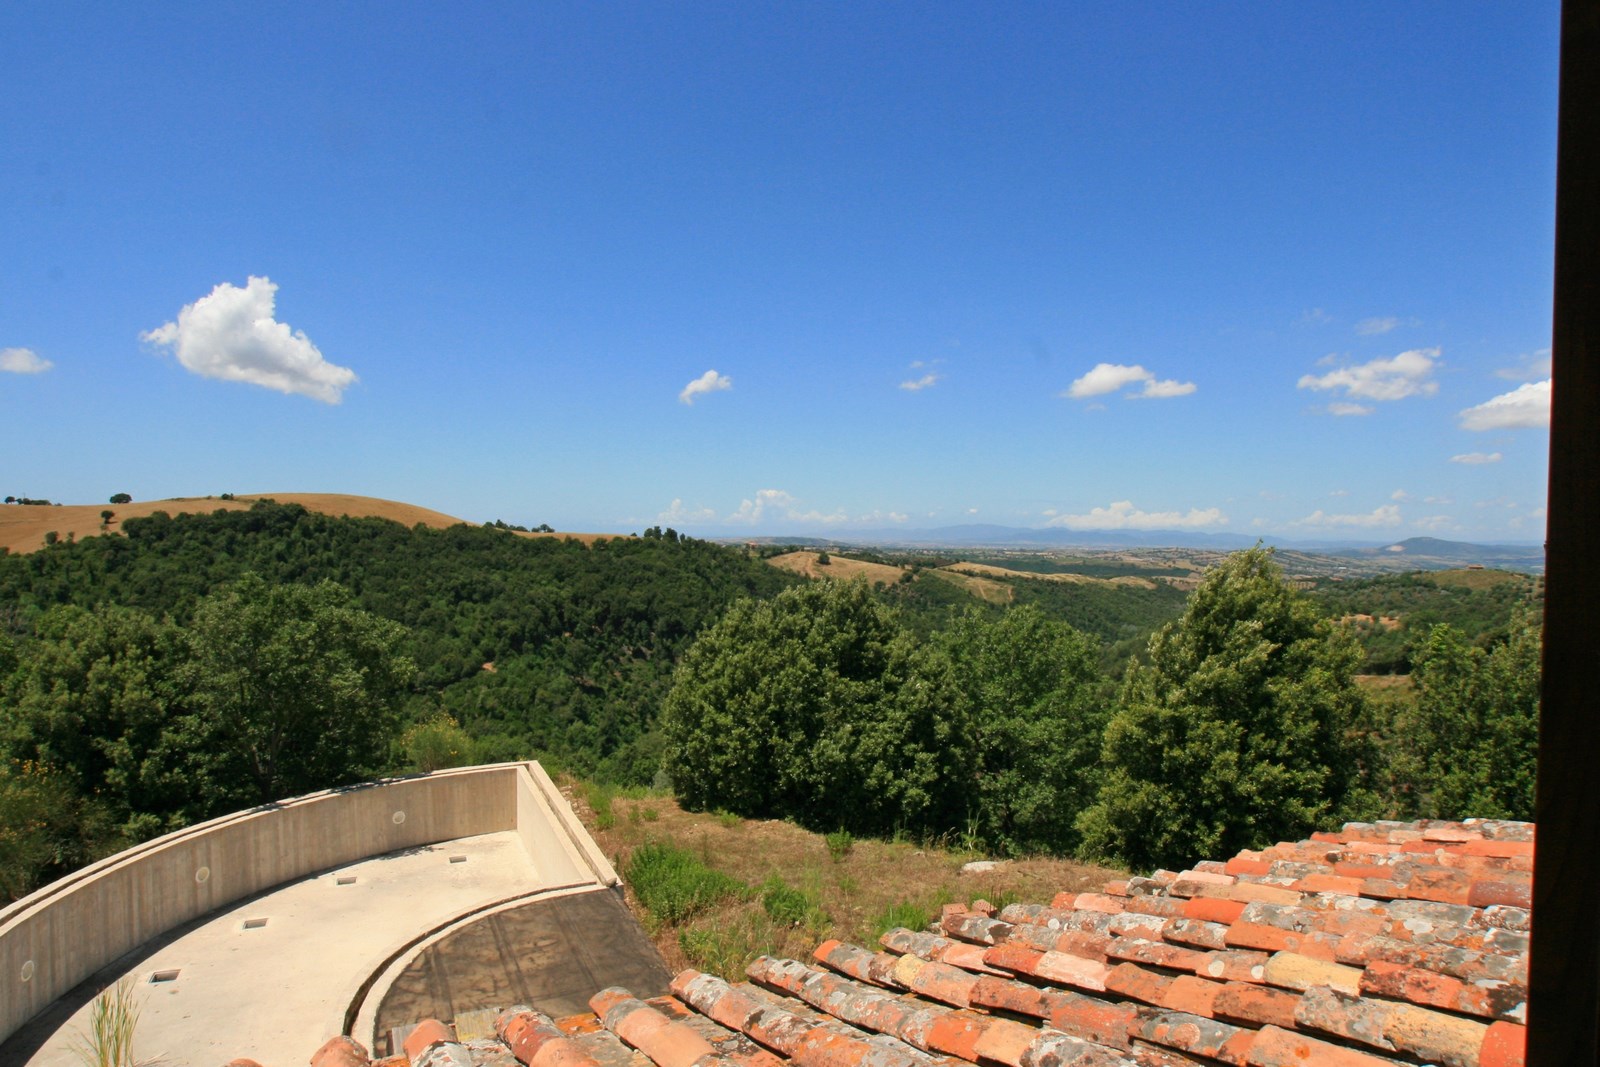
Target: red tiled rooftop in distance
x: 1378, y: 944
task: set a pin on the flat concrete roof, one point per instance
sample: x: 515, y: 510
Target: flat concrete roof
x: 232, y: 985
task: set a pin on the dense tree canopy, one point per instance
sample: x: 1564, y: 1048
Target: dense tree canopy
x: 294, y: 683
x: 818, y: 705
x: 1468, y: 746
x: 1036, y: 716
x: 1237, y: 732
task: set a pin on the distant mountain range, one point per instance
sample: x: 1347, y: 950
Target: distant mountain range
x: 1413, y: 553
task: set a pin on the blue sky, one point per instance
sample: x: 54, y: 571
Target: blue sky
x: 1265, y: 268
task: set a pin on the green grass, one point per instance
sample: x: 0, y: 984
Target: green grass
x: 674, y: 885
x: 839, y: 844
x: 113, y: 1018
x: 910, y: 914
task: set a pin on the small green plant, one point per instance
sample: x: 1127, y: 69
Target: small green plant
x: 726, y: 948
x: 911, y: 915
x: 601, y: 799
x: 727, y: 819
x: 839, y: 844
x: 674, y: 885
x: 113, y: 1018
x: 783, y: 903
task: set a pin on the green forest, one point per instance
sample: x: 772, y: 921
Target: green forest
x: 206, y: 663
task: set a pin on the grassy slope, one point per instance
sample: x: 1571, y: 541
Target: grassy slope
x: 854, y: 893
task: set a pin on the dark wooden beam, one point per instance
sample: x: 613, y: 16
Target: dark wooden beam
x: 1564, y: 968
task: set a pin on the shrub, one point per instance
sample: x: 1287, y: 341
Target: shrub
x: 906, y: 913
x: 674, y: 885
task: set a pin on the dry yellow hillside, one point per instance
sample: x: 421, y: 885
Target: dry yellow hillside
x: 23, y: 526
x: 838, y: 567
x: 979, y: 569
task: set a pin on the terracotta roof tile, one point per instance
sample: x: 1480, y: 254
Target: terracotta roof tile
x: 1375, y: 945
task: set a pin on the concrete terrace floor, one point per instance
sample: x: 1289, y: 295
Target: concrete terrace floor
x: 271, y: 978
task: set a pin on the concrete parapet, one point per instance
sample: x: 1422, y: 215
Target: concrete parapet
x: 56, y: 937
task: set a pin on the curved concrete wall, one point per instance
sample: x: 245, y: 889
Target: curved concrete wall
x: 55, y: 938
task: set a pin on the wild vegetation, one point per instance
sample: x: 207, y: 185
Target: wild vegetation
x: 715, y: 890
x: 199, y: 664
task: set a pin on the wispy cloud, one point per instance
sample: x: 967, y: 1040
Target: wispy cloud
x: 1122, y: 515
x: 1529, y: 367
x: 1408, y: 374
x: 1345, y: 408
x: 1109, y: 377
x: 916, y: 385
x: 709, y: 382
x: 1313, y: 317
x: 1477, y: 459
x: 778, y: 504
x: 1386, y: 515
x: 1373, y: 326
x: 233, y: 334
x: 676, y: 512
x: 23, y: 361
x: 1525, y: 407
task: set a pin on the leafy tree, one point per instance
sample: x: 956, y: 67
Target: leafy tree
x: 1470, y: 745
x: 40, y: 829
x: 296, y: 688
x: 1036, y: 724
x: 1235, y: 734
x: 93, y: 702
x: 818, y: 705
x: 120, y: 498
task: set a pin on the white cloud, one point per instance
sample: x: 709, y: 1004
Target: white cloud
x: 1438, y: 500
x: 1106, y: 378
x: 1164, y: 389
x: 1530, y: 367
x: 752, y: 511
x: 709, y: 382
x: 1387, y: 515
x: 1314, y: 317
x: 918, y: 384
x: 1344, y: 407
x: 1371, y: 327
x: 1399, y: 494
x: 233, y: 334
x: 1408, y: 374
x: 1109, y: 377
x: 1340, y: 492
x: 1526, y: 406
x: 1122, y: 515
x: 1474, y: 459
x: 676, y: 512
x: 882, y: 516
x: 23, y: 361
x: 778, y: 504
x: 1434, y: 522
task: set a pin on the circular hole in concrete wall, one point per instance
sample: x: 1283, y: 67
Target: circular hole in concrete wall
x: 399, y: 817
x: 202, y: 876
x: 26, y: 973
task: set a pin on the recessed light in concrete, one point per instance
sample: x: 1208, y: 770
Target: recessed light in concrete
x: 458, y: 859
x: 165, y: 976
x: 26, y: 974
x: 345, y: 879
x: 399, y: 817
x: 202, y: 876
x: 254, y: 924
